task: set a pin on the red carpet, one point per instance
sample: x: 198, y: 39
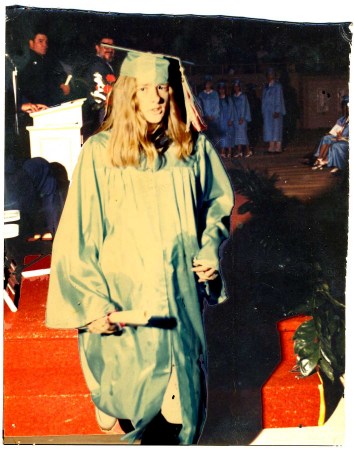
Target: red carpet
x: 44, y: 390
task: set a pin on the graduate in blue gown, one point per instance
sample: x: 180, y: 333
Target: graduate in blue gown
x: 242, y: 116
x: 339, y: 154
x: 333, y: 149
x: 226, y: 120
x: 209, y: 102
x: 273, y: 110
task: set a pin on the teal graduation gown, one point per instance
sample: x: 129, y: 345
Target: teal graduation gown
x: 126, y: 240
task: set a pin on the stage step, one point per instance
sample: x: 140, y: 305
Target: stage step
x: 289, y: 400
x: 44, y: 390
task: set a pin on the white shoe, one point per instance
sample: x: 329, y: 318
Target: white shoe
x: 105, y: 422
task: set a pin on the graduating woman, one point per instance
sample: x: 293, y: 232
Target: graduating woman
x: 146, y: 212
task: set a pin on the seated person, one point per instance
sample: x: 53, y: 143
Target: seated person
x: 338, y: 152
x: 33, y: 187
x: 339, y: 133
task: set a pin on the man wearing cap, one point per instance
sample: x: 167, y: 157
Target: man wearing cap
x: 145, y: 215
x: 273, y: 109
x: 100, y: 78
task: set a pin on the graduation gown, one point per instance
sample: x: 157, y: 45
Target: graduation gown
x: 242, y: 111
x: 338, y: 152
x: 225, y: 130
x: 273, y: 102
x: 126, y: 240
x: 209, y: 102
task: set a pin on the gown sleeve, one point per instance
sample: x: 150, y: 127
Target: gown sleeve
x: 279, y: 100
x: 78, y: 292
x: 248, y: 117
x: 215, y: 209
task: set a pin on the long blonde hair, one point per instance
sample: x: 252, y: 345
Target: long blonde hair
x: 129, y: 137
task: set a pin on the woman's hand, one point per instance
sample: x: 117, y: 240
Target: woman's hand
x: 204, y: 272
x: 102, y: 326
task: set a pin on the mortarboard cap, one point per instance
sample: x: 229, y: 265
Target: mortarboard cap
x: 145, y: 67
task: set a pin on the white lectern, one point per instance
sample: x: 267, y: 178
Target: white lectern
x: 56, y: 134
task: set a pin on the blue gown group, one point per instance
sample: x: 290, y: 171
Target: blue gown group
x: 222, y: 116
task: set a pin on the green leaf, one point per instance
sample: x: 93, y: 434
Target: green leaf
x: 306, y: 330
x: 308, y: 350
x: 308, y: 365
x: 299, y: 344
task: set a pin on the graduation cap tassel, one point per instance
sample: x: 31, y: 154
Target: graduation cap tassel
x: 193, y: 112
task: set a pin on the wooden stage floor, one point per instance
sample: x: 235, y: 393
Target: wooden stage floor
x: 295, y: 177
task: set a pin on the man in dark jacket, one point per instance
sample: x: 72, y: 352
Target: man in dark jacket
x: 42, y: 80
x: 100, y: 77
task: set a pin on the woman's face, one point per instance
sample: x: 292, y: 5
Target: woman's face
x: 237, y: 88
x: 153, y: 101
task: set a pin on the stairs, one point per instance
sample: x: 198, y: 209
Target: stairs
x: 45, y: 393
x: 290, y: 401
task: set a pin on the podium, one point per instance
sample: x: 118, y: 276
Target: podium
x: 56, y: 134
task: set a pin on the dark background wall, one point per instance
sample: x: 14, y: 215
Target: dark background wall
x: 205, y: 40
x: 222, y: 46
